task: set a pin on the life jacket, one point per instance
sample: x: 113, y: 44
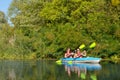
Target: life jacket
x: 79, y: 54
x: 68, y: 54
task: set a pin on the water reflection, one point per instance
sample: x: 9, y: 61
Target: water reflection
x: 49, y: 70
x: 11, y: 75
x: 81, y: 69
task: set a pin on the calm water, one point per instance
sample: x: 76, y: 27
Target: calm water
x: 49, y: 70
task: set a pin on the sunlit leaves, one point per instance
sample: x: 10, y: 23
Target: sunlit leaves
x: 50, y: 13
x: 115, y: 2
x: 22, y: 14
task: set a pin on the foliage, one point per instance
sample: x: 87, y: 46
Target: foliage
x: 2, y: 18
x: 48, y: 27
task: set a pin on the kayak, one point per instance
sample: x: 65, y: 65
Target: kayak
x: 82, y: 60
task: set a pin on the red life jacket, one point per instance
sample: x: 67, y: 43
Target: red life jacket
x: 68, y: 54
x: 79, y: 54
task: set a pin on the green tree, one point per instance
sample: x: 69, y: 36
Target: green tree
x: 3, y: 20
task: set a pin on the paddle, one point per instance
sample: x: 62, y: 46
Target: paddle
x: 59, y: 62
x: 69, y: 62
x: 91, y: 47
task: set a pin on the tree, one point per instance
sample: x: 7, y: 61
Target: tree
x: 2, y: 19
x: 25, y: 13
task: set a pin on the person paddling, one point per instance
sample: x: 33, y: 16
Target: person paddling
x: 78, y: 54
x: 68, y: 54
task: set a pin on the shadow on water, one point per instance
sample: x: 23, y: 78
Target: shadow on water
x: 49, y: 70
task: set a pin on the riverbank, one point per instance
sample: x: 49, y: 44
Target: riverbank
x: 111, y: 60
x: 26, y: 57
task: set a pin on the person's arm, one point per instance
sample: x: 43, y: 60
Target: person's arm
x: 84, y: 53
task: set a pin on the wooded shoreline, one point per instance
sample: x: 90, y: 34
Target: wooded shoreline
x: 48, y: 27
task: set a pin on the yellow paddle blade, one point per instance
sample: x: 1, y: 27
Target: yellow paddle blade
x: 59, y: 61
x: 92, y: 45
x: 82, y: 46
x: 69, y: 62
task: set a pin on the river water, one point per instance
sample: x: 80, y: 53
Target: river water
x: 49, y: 70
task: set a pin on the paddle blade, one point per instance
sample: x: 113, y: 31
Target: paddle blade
x: 82, y: 46
x: 59, y: 61
x: 69, y: 62
x: 92, y: 45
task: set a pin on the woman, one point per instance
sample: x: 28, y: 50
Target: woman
x: 78, y: 54
x: 68, y: 54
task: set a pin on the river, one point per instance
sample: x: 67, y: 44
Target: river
x: 49, y: 70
